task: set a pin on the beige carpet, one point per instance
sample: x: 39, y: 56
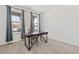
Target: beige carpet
x: 52, y: 47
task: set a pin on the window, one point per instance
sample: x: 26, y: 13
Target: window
x: 16, y: 21
x: 18, y: 25
x: 35, y: 23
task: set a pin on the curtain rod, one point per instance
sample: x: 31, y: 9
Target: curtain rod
x: 18, y: 8
x: 22, y: 9
x: 35, y: 13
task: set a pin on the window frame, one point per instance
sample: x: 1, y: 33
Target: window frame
x: 16, y: 14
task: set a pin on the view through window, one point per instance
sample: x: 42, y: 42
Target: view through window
x: 16, y: 22
x: 35, y: 23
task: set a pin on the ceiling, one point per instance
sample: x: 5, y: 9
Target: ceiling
x: 45, y: 8
x: 40, y: 8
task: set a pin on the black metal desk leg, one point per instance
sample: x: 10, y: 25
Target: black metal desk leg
x: 29, y: 47
x: 37, y: 39
x: 46, y: 38
x: 25, y: 41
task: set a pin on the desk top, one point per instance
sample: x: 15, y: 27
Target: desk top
x: 30, y: 34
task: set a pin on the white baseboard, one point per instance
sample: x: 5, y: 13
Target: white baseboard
x: 64, y: 41
x: 5, y: 43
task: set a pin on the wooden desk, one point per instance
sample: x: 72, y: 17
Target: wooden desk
x: 33, y: 37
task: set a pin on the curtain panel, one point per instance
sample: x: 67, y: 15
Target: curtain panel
x: 23, y: 25
x: 9, y: 25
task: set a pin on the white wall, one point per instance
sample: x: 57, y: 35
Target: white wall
x: 62, y: 23
x: 2, y: 24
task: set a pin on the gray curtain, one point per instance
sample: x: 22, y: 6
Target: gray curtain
x: 9, y: 25
x: 39, y: 23
x: 32, y: 22
x: 23, y: 25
